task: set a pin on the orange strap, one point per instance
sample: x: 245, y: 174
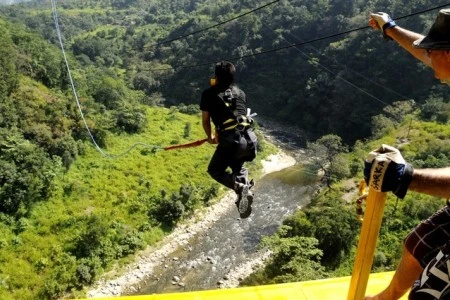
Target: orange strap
x: 188, y: 145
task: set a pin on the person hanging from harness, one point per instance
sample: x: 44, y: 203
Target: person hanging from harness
x: 225, y: 105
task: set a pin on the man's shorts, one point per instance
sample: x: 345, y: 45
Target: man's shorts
x: 434, y: 281
x: 429, y: 243
x: 425, y: 241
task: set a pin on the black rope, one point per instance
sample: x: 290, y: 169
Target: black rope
x: 213, y: 26
x: 297, y: 44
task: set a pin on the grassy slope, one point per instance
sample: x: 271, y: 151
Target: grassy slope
x: 110, y: 189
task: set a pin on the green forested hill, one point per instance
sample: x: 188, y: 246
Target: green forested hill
x: 341, y: 81
x: 320, y: 240
x: 67, y: 212
x: 103, y: 209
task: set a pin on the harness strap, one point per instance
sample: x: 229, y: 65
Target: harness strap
x: 241, y: 123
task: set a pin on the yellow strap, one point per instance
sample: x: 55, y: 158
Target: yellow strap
x: 234, y: 126
x: 245, y: 124
x: 231, y: 127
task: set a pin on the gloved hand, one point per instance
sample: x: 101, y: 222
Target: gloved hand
x: 385, y: 170
x: 381, y: 21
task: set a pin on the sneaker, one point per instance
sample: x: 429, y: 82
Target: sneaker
x: 244, y: 200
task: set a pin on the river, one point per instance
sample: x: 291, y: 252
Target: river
x: 230, y: 242
x: 227, y: 248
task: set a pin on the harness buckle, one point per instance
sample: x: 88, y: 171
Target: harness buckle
x: 241, y: 123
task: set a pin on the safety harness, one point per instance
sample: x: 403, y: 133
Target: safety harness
x: 239, y: 122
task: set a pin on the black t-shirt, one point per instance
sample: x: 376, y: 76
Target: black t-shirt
x: 212, y: 102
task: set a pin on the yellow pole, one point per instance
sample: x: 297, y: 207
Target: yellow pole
x: 367, y: 243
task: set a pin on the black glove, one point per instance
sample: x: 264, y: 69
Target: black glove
x: 385, y: 170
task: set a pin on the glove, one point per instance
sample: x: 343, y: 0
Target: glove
x: 382, y: 21
x: 385, y: 170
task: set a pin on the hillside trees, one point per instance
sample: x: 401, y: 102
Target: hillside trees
x: 8, y: 74
x: 27, y: 173
x: 327, y: 156
x: 294, y: 259
x: 330, y: 88
x: 310, y: 244
x: 39, y: 125
x: 37, y: 59
x: 328, y: 80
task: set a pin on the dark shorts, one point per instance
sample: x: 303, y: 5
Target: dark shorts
x: 434, y: 281
x: 429, y: 243
x: 425, y: 241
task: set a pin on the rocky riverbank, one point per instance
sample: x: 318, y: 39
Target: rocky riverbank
x: 128, y: 280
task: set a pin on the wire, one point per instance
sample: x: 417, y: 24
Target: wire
x: 297, y: 44
x: 342, y: 65
x: 336, y: 75
x: 213, y: 26
x: 57, y: 27
x: 58, y: 32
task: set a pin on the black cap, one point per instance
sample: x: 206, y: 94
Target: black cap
x: 439, y: 36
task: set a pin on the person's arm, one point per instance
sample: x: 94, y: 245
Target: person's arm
x: 401, y: 176
x: 434, y: 182
x: 405, y: 38
x: 206, y: 122
x: 402, y: 36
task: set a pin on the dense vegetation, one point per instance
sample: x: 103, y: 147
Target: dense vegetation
x: 67, y: 211
x: 320, y: 240
x: 341, y: 81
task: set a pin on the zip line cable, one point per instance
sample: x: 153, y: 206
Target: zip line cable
x: 336, y: 76
x: 333, y: 73
x: 341, y: 78
x: 154, y: 147
x: 58, y: 32
x: 210, y: 27
x: 344, y: 66
x: 298, y: 44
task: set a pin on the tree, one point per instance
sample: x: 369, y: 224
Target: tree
x: 90, y: 240
x: 146, y: 82
x: 108, y: 91
x: 131, y: 118
x: 435, y: 109
x: 381, y: 125
x: 294, y: 259
x: 27, y: 173
x: 8, y: 74
x: 335, y: 227
x: 326, y: 156
x: 187, y: 130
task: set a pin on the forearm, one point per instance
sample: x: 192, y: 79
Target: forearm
x: 405, y: 39
x: 206, y: 122
x: 207, y: 129
x: 434, y: 182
